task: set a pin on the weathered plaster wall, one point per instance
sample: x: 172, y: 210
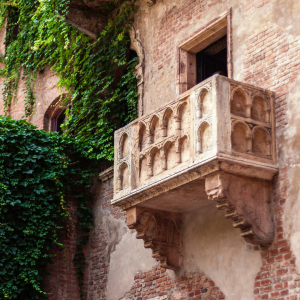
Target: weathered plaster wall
x: 289, y: 156
x: 129, y: 258
x: 213, y: 246
x: 116, y: 254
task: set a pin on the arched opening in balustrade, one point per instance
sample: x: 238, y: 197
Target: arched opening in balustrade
x: 143, y: 169
x: 155, y: 161
x: 142, y: 136
x: 184, y: 148
x: 168, y: 123
x: 124, y: 146
x: 261, y: 142
x: 239, y: 134
x: 154, y: 130
x: 204, y: 104
x: 259, y: 109
x: 204, y: 139
x: 238, y: 103
x: 171, y: 157
x: 123, y: 176
x: 183, y: 117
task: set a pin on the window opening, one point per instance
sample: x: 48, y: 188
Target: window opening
x: 58, y: 120
x: 208, y: 51
x: 212, y: 60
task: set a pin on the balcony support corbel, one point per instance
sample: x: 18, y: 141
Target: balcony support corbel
x: 247, y: 202
x: 161, y: 232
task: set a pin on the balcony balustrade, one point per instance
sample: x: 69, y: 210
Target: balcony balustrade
x: 215, y: 142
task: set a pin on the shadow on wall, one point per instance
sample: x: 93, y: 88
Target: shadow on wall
x: 213, y: 246
x: 215, y: 258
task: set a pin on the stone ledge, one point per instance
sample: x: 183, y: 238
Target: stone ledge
x: 194, y: 172
x: 106, y: 174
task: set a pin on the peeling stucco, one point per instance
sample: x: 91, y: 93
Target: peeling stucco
x: 129, y: 257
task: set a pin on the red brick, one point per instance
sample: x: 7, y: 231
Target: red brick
x: 284, y: 292
x: 265, y: 282
x: 284, y: 249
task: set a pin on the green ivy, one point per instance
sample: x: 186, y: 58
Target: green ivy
x: 39, y: 172
x: 39, y: 169
x: 38, y: 37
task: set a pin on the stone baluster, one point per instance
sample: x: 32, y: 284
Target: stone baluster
x: 149, y: 166
x: 269, y: 147
x: 163, y: 158
x: 199, y: 145
x: 249, y: 142
x: 164, y: 128
x: 198, y: 109
x: 178, y: 152
x: 119, y: 182
x: 178, y: 125
x: 267, y: 115
x: 248, y: 110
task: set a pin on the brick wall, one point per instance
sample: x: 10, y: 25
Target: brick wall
x: 175, y: 20
x: 157, y: 285
x: 63, y: 283
x: 272, y: 60
x: 278, y: 277
x: 99, y: 265
x: 248, y: 7
x: 46, y: 93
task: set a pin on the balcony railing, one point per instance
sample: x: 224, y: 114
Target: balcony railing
x: 191, y: 149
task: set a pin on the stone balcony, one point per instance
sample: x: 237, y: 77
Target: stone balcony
x: 216, y: 142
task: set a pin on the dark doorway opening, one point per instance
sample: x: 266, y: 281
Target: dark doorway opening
x: 212, y: 59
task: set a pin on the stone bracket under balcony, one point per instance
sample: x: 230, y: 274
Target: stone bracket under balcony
x: 216, y: 142
x: 246, y: 202
x: 161, y: 232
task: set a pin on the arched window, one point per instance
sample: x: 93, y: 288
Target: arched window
x: 58, y: 119
x: 55, y: 115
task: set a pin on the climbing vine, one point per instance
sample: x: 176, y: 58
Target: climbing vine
x: 38, y: 36
x: 45, y: 169
x: 39, y: 172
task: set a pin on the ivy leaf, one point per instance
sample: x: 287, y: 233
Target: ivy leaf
x: 28, y: 172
